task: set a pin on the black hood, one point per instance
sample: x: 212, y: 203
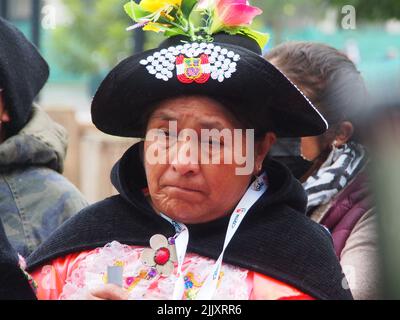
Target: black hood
x: 276, y: 238
x: 23, y: 73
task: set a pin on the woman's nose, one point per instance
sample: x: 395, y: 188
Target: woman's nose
x: 185, y: 160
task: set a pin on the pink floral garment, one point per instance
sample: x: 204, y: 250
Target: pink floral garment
x: 72, y: 276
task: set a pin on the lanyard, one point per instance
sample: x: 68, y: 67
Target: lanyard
x: 209, y: 287
x: 181, y: 243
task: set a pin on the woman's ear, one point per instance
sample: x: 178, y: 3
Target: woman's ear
x: 344, y: 133
x: 4, y: 117
x: 262, y: 148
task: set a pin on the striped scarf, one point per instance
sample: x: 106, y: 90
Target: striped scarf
x: 342, y: 165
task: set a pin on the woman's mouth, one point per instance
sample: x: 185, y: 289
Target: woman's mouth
x: 185, y: 192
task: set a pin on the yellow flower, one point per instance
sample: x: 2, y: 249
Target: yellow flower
x: 153, y: 26
x: 156, y: 5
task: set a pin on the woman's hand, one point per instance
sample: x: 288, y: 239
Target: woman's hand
x: 107, y: 292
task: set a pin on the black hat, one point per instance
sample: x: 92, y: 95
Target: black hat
x: 223, y: 62
x: 230, y: 68
x: 23, y: 73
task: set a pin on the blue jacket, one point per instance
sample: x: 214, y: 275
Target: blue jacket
x: 34, y: 197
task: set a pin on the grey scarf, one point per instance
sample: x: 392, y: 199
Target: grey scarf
x: 342, y: 165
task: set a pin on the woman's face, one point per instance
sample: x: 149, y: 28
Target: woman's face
x: 186, y: 187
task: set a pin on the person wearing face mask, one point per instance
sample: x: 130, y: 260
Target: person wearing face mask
x: 332, y: 167
x: 34, y: 197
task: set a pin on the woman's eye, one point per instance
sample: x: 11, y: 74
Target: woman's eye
x: 168, y: 137
x: 163, y: 131
x: 213, y: 143
x: 216, y: 142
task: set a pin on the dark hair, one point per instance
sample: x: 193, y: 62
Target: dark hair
x: 327, y: 77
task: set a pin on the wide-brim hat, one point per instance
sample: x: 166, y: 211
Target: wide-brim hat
x: 230, y: 69
x: 23, y: 73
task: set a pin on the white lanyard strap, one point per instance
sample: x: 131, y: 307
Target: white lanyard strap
x: 181, y: 243
x: 209, y: 287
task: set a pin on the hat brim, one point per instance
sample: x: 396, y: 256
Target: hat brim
x: 263, y: 91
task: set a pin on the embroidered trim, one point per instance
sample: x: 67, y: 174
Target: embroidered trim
x: 91, y: 271
x: 213, y: 61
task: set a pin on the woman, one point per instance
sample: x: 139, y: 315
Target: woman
x: 191, y: 221
x: 335, y: 179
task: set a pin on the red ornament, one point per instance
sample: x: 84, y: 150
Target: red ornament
x: 162, y: 256
x: 191, y: 70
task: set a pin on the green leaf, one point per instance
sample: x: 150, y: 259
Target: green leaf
x: 135, y: 11
x: 231, y: 30
x: 187, y: 7
x: 170, y: 32
x: 260, y: 37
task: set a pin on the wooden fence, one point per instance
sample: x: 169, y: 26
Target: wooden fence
x: 91, y: 155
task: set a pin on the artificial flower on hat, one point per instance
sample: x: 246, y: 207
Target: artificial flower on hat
x: 210, y: 49
x: 156, y: 5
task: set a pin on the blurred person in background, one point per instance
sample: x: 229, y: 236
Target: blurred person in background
x: 34, y: 197
x: 383, y: 142
x: 332, y: 167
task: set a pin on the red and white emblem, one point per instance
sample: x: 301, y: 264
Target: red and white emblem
x: 193, y: 62
x: 191, y: 70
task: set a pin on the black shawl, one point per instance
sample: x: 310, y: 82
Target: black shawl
x: 276, y: 238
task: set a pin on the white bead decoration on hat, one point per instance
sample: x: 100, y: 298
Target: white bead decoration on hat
x: 193, y: 62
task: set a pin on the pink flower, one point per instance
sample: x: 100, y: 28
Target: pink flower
x: 203, y: 4
x: 233, y: 13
